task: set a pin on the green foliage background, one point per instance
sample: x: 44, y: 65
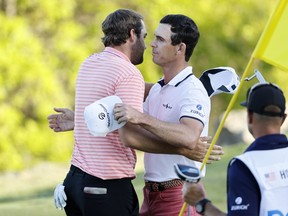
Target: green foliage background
x: 42, y: 44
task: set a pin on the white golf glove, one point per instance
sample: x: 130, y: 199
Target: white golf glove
x: 60, y: 197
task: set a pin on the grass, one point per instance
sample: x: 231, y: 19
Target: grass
x: 30, y: 192
x: 215, y: 179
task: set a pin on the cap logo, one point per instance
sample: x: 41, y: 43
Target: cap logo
x: 99, y: 117
x: 102, y: 115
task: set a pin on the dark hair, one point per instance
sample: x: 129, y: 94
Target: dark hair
x: 117, y: 26
x: 185, y: 30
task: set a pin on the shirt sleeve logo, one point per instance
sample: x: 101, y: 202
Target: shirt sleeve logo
x: 198, y: 111
x: 199, y: 107
x: 239, y: 205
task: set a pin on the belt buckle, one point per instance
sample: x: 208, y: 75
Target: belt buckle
x: 154, y: 186
x: 161, y: 187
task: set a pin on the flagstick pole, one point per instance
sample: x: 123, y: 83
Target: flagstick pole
x: 184, y: 206
x: 230, y: 106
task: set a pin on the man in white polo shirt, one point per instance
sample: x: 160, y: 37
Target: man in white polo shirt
x: 176, y: 110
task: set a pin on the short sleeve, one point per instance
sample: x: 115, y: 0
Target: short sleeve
x: 131, y: 90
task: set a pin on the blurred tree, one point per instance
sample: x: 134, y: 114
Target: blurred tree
x: 43, y: 43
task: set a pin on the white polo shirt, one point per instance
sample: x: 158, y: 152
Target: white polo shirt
x: 183, y: 96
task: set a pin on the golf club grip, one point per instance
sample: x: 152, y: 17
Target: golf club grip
x: 183, y: 209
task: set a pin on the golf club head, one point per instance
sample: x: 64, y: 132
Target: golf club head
x: 258, y: 75
x: 187, y: 173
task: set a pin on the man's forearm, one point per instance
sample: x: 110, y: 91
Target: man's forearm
x: 184, y: 134
x: 138, y: 138
x: 211, y: 210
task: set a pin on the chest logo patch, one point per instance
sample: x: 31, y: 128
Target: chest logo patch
x: 167, y: 106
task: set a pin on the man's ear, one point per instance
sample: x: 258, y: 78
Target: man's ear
x: 133, y: 36
x: 181, y: 47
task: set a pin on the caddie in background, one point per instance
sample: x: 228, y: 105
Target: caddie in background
x: 257, y: 180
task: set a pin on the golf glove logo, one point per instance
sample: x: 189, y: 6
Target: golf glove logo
x: 60, y: 197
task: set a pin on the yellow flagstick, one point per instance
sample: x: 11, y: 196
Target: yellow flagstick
x: 263, y: 41
x: 184, y: 206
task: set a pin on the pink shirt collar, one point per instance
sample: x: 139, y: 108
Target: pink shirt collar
x: 116, y: 52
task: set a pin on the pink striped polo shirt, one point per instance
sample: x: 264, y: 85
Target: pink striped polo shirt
x: 102, y: 74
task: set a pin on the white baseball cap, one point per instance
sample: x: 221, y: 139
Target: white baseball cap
x: 220, y: 80
x: 99, y: 116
